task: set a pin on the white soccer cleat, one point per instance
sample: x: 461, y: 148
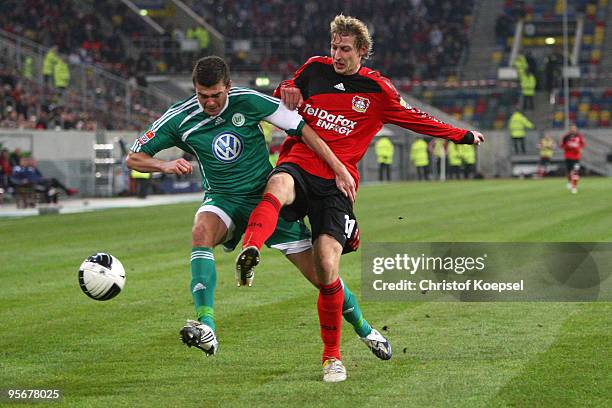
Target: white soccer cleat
x: 246, y: 261
x: 378, y: 344
x: 333, y: 371
x: 574, y: 190
x: 196, y: 334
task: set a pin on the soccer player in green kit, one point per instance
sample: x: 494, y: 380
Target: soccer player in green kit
x: 220, y: 126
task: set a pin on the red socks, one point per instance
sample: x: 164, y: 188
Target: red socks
x: 574, y: 178
x: 262, y: 222
x: 329, y: 306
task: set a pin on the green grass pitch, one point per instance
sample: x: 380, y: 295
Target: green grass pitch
x: 126, y: 352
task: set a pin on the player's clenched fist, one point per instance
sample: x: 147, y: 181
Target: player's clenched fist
x: 478, y: 137
x: 291, y: 97
x: 178, y: 166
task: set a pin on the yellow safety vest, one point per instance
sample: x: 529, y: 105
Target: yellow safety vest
x: 61, y: 74
x: 546, y: 147
x: 468, y: 153
x: 454, y: 158
x: 438, y: 148
x: 528, y: 84
x: 384, y: 150
x: 419, y: 154
x: 49, y: 62
x: 520, y: 63
x: 517, y: 124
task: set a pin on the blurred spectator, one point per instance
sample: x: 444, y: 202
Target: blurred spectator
x: 504, y: 28
x: 546, y: 146
x: 517, y: 126
x: 49, y: 63
x: 15, y: 157
x: 384, y: 157
x: 532, y: 65
x: 61, y: 75
x: 26, y: 174
x: 552, y: 68
x: 528, y: 85
x: 521, y: 65
x: 437, y: 148
x: 420, y: 158
x: 454, y: 161
x: 468, y: 160
x: 201, y: 34
x: 5, y: 168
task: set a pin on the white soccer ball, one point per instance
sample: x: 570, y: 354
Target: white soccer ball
x: 101, y: 276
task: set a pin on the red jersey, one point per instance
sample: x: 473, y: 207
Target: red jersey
x: 347, y: 111
x: 572, y: 144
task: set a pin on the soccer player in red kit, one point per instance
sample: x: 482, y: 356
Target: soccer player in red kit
x: 572, y: 144
x: 347, y: 104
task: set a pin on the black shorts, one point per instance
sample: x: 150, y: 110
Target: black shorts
x: 569, y: 165
x: 544, y: 161
x: 329, y: 211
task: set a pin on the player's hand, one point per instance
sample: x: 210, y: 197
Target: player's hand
x: 178, y: 166
x: 478, y: 137
x: 346, y: 184
x: 291, y: 97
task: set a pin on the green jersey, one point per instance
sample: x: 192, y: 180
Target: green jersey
x: 230, y: 147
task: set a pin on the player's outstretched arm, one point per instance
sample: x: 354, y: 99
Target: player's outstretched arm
x: 344, y: 180
x: 141, y: 161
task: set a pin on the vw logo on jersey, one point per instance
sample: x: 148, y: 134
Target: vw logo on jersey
x: 227, y: 147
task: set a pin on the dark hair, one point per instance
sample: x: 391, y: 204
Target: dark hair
x: 208, y: 71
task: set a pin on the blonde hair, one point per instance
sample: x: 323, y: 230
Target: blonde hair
x: 343, y: 25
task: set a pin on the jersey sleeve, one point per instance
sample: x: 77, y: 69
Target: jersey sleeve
x: 272, y: 110
x: 289, y: 121
x: 397, y: 112
x: 160, y: 135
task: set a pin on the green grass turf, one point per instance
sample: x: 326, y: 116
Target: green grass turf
x: 126, y: 352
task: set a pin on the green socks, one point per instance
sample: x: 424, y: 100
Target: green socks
x: 352, y: 313
x: 203, y: 283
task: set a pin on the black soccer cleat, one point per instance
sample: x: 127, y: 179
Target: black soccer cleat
x: 246, y: 262
x: 196, y: 334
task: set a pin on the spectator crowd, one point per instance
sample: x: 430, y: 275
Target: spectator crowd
x: 420, y: 39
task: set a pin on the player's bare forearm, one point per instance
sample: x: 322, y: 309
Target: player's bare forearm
x: 344, y: 180
x: 143, y: 162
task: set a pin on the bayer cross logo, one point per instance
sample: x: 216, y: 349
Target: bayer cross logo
x: 227, y: 147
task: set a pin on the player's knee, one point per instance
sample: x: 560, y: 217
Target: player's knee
x: 282, y: 186
x: 327, y: 269
x: 202, y: 236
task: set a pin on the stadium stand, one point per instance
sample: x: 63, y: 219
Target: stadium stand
x: 543, y: 20
x: 486, y: 104
x: 433, y: 35
x: 90, y: 98
x: 588, y: 108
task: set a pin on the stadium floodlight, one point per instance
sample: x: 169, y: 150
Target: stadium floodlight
x: 262, y: 81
